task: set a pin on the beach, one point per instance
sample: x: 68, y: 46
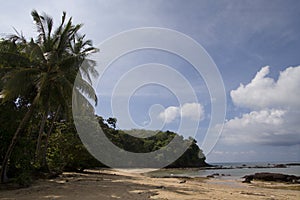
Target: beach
x: 111, y: 184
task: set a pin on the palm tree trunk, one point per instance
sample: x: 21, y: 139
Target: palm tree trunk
x: 44, y: 161
x: 10, y: 149
x: 39, y: 141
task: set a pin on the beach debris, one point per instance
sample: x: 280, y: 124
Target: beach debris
x: 160, y: 187
x: 251, y: 193
x: 183, y: 181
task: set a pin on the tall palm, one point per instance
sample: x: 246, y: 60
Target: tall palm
x: 44, y: 71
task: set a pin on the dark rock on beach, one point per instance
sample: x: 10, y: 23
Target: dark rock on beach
x: 248, y: 178
x: 277, y: 177
x: 217, y: 174
x: 280, y: 166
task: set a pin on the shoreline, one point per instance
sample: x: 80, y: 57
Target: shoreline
x: 111, y: 184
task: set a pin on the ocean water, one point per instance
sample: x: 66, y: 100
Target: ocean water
x: 234, y: 173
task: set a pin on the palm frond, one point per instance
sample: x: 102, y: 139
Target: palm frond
x: 86, y: 89
x: 38, y: 19
x: 13, y: 59
x: 87, y: 69
x: 19, y: 82
x: 49, y: 22
x: 17, y: 37
x: 36, y: 53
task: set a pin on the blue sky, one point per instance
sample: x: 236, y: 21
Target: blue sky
x: 242, y: 37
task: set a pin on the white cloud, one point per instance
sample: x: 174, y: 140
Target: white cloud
x: 272, y: 127
x: 169, y: 114
x: 193, y: 111
x: 274, y: 119
x: 265, y: 92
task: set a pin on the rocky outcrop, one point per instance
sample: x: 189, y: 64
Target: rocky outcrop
x: 216, y: 175
x: 265, y: 176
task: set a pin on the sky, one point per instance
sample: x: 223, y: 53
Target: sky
x: 254, y: 44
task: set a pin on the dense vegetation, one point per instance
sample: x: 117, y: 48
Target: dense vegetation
x: 193, y: 156
x: 37, y: 133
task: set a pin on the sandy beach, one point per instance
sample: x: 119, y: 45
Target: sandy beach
x: 110, y: 184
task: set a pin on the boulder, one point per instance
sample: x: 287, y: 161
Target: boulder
x: 277, y: 177
x: 248, y: 178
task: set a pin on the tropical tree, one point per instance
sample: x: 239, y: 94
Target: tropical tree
x: 42, y: 71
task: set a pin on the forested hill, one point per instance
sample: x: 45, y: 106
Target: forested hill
x: 137, y: 141
x: 65, y: 150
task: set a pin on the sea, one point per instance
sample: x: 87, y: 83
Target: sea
x: 230, y: 171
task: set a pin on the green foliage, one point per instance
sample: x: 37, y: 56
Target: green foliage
x: 136, y: 141
x: 9, y: 119
x: 37, y: 76
x: 66, y: 151
x: 24, y: 179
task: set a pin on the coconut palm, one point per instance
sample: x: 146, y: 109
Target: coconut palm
x: 44, y: 70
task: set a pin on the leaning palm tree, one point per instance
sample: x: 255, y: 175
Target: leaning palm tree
x: 44, y: 70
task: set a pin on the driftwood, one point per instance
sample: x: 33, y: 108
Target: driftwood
x: 265, y: 176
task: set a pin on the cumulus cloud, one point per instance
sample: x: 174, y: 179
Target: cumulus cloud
x: 193, y: 111
x: 271, y: 127
x: 169, y: 114
x: 265, y: 92
x: 274, y: 119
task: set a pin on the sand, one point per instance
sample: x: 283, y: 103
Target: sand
x: 110, y: 184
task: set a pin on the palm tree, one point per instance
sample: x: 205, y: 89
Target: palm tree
x: 44, y: 70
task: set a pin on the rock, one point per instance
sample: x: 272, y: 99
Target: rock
x: 248, y: 178
x: 280, y: 166
x: 225, y: 174
x: 161, y: 187
x: 265, y: 176
x: 293, y: 164
x: 214, y: 175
